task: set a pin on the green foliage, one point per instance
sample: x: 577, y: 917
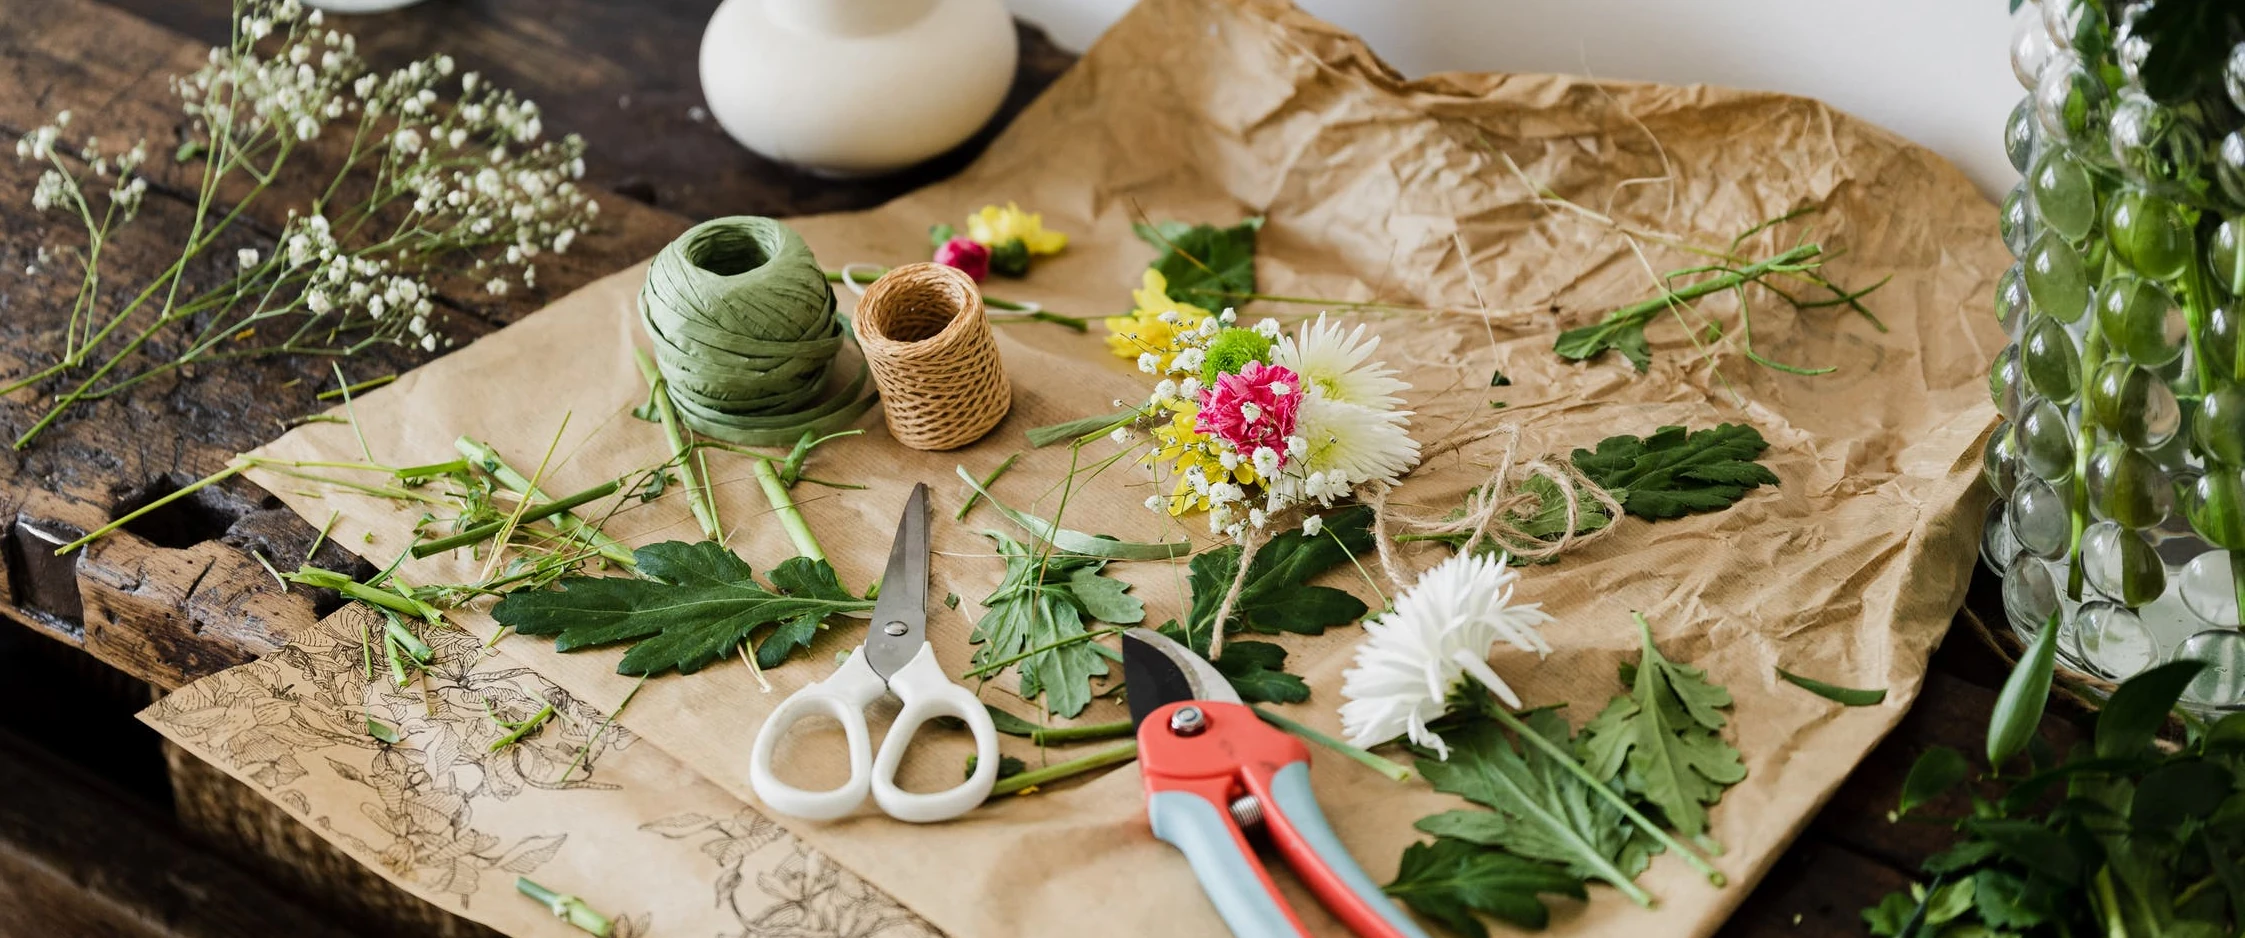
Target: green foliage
x: 2025, y: 693
x: 1277, y: 596
x: 1537, y: 809
x: 1844, y: 696
x: 1231, y: 350
x: 2189, y: 42
x: 1035, y: 619
x: 1676, y: 472
x: 1205, y: 266
x: 1257, y: 670
x: 1450, y: 880
x: 1668, y: 731
x: 2120, y: 838
x: 691, y: 604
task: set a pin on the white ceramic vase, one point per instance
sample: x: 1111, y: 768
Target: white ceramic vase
x: 856, y: 87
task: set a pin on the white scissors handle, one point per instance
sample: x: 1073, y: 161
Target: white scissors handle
x: 928, y: 693
x: 844, y: 697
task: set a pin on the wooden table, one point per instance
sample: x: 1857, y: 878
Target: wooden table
x: 105, y: 832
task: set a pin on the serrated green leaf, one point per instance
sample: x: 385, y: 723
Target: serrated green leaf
x: 1539, y: 810
x: 2031, y: 845
x: 1257, y: 670
x: 1891, y: 915
x: 692, y: 604
x: 1205, y: 266
x: 2000, y: 896
x: 1675, y: 472
x: 1667, y: 731
x: 1038, y: 611
x: 1624, y: 335
x: 1449, y: 881
x: 1277, y: 596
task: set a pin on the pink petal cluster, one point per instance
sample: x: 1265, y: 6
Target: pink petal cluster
x: 967, y: 255
x: 1251, y: 409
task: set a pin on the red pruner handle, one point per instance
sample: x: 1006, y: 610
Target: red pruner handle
x: 1299, y: 828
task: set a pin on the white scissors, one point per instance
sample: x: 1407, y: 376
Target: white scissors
x: 895, y: 658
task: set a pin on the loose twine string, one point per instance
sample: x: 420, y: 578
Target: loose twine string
x: 1493, y: 514
x: 745, y: 331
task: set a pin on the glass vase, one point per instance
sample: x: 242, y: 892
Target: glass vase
x: 2119, y: 464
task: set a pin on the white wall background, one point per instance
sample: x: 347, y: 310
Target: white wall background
x: 1935, y: 71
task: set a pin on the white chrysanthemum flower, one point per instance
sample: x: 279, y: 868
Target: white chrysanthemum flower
x: 1439, y: 633
x: 1346, y: 445
x: 1339, y: 365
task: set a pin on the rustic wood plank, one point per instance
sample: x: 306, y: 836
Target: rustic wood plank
x: 249, y: 829
x: 1818, y: 890
x: 76, y: 859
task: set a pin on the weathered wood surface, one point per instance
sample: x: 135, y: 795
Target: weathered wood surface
x: 179, y: 595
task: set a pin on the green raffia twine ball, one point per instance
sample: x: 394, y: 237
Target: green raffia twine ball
x: 745, y: 331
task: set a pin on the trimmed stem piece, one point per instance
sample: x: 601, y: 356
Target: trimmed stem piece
x: 483, y: 457
x: 1063, y: 770
x: 488, y: 529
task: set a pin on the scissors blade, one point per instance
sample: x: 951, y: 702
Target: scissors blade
x: 900, y: 616
x: 1159, y: 671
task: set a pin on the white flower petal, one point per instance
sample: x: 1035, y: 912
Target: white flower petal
x: 1439, y: 634
x: 1338, y: 365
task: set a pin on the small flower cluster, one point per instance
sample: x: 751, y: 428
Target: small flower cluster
x: 423, y: 188
x: 1253, y: 422
x: 998, y: 240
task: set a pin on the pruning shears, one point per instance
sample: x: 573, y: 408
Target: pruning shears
x: 1213, y: 771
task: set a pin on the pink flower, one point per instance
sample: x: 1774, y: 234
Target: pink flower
x: 967, y: 255
x: 1255, y: 408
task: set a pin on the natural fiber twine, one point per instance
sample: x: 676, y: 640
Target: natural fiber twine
x: 744, y: 329
x: 927, y: 337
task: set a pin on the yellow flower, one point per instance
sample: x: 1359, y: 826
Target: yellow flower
x: 1145, y: 331
x: 994, y: 226
x: 1176, y: 443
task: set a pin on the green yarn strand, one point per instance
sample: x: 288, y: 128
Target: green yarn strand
x: 745, y: 332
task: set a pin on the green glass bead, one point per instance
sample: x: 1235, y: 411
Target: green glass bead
x: 2233, y: 76
x: 2072, y: 104
x: 2065, y: 196
x: 2218, y: 429
x: 2121, y: 564
x: 1999, y: 460
x: 2226, y: 256
x: 2055, y: 278
x: 2154, y: 144
x: 2051, y: 362
x: 2216, y: 507
x: 2045, y: 440
x: 2133, y: 404
x: 2141, y: 320
x: 2003, y: 381
x: 2148, y: 233
x: 2219, y: 341
x: 2013, y: 222
x: 2019, y: 135
x: 2229, y: 167
x: 2012, y: 302
x: 2126, y: 486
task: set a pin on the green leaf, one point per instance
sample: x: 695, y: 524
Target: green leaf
x: 1105, y: 598
x: 2031, y: 845
x: 1675, y: 472
x: 1621, y: 334
x: 692, y: 604
x: 2000, y: 896
x: 1205, y: 266
x: 1667, y: 730
x: 1891, y: 915
x: 1008, y: 766
x: 1036, y: 615
x: 1449, y: 880
x: 1844, y: 696
x: 382, y: 731
x: 2025, y: 693
x: 2179, y: 791
x: 1257, y: 670
x: 1538, y: 809
x: 1077, y: 542
x: 2132, y: 718
x: 1277, y: 596
x: 1948, y: 901
x: 1937, y: 771
x: 1009, y: 724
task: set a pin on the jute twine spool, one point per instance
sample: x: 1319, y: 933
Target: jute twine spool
x: 745, y: 332
x: 927, y: 338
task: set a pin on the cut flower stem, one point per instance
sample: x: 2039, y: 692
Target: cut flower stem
x: 1069, y: 769
x: 1388, y: 767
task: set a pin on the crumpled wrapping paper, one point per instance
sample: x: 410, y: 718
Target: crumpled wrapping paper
x: 1377, y: 190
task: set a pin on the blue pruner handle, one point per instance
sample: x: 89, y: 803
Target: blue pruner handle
x: 1229, y: 873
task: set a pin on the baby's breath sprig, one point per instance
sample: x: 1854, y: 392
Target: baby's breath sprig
x: 424, y: 189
